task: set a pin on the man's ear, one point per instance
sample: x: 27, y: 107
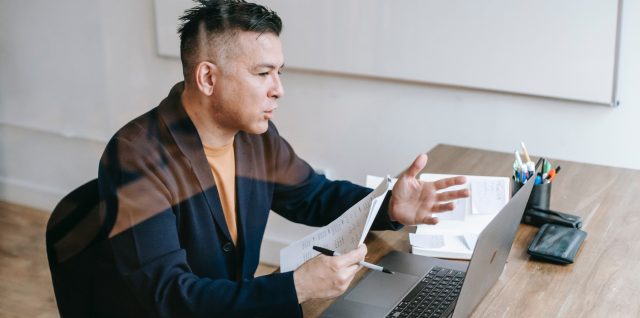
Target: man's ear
x: 206, y: 75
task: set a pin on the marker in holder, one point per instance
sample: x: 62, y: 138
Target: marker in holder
x: 540, y: 195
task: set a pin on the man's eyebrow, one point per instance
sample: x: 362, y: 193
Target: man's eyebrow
x: 271, y: 66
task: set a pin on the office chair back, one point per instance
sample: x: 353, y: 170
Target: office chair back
x: 75, y: 227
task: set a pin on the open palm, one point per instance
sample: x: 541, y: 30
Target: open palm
x: 415, y: 202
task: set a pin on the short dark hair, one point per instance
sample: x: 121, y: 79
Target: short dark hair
x: 217, y: 19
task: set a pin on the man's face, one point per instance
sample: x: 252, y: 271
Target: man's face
x: 248, y: 86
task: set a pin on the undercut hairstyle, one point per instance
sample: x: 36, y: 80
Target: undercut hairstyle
x: 209, y: 28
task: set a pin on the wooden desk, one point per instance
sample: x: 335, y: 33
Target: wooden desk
x: 604, y: 281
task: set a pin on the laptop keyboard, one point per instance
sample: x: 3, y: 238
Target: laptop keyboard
x: 434, y: 296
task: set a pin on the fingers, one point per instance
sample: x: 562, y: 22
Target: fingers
x: 429, y: 220
x: 327, y: 276
x: 353, y: 257
x: 417, y: 166
x: 348, y: 265
x: 443, y: 207
x: 427, y: 217
x: 449, y: 182
x: 452, y: 195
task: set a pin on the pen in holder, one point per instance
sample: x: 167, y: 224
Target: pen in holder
x: 540, y: 195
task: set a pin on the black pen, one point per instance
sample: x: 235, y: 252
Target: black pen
x: 329, y: 252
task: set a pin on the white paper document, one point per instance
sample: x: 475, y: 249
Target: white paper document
x: 426, y: 240
x: 456, y: 233
x: 487, y: 195
x: 342, y: 235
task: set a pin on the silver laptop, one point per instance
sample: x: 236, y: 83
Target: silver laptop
x: 430, y: 287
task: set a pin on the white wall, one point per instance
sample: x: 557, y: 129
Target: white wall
x: 356, y: 126
x: 72, y: 72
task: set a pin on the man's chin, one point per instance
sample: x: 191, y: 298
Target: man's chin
x: 258, y: 129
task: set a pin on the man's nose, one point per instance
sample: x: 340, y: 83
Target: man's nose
x: 277, y: 90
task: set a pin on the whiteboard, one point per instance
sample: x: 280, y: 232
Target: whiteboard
x: 563, y: 49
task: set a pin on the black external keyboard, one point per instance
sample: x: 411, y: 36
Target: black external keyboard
x: 434, y: 296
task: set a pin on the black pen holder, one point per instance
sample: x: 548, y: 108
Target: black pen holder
x: 537, y: 212
x: 540, y: 194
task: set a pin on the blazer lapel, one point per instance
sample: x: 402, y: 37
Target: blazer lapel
x: 244, y: 188
x: 244, y: 183
x: 188, y: 141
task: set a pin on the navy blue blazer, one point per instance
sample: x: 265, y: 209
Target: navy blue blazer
x: 169, y: 253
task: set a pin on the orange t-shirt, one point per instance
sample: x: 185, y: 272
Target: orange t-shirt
x: 223, y: 166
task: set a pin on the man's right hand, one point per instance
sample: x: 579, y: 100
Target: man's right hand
x: 327, y: 276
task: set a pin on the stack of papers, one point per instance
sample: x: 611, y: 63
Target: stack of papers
x: 457, y: 231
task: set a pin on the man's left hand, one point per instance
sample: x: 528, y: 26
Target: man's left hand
x: 415, y: 202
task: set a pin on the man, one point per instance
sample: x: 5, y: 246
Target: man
x: 188, y: 186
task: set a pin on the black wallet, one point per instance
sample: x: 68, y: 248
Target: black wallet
x: 538, y: 216
x: 557, y: 243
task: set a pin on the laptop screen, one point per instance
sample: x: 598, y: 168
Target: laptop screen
x: 491, y: 252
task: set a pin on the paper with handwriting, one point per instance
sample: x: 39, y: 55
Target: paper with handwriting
x: 342, y: 235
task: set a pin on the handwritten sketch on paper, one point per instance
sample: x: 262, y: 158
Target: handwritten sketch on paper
x: 342, y: 235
